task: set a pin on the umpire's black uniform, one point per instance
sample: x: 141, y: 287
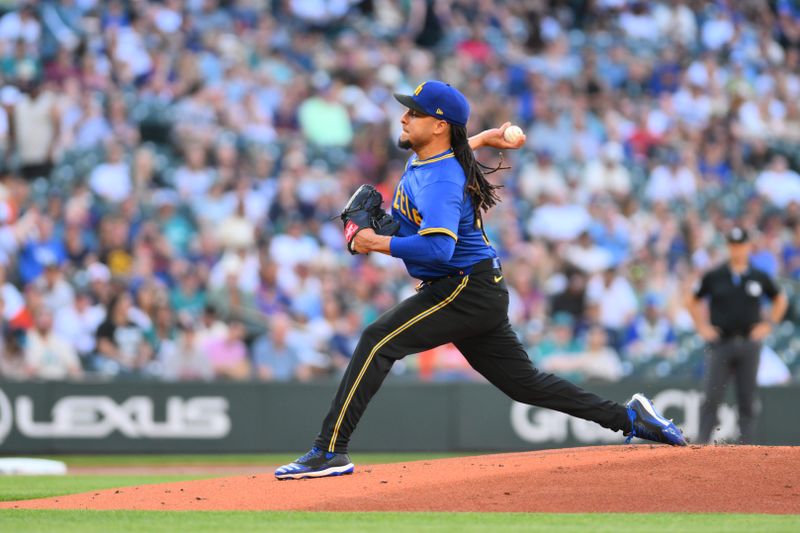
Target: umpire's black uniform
x: 735, y: 310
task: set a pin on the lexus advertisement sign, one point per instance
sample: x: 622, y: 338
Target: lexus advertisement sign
x: 150, y: 417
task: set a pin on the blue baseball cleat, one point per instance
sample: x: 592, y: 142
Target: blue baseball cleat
x: 316, y: 463
x: 647, y: 423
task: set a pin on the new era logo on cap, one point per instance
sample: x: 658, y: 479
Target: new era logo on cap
x: 439, y: 99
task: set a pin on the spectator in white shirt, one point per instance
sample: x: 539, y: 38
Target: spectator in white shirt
x: 294, y: 246
x: 706, y: 72
x: 718, y: 30
x: 239, y: 266
x: 111, y: 180
x: 167, y: 18
x: 637, y: 22
x: 764, y: 117
x: 779, y: 184
x: 47, y: 354
x: 131, y: 47
x: 57, y: 292
x: 182, y: 358
x: 194, y: 178
x: 677, y: 21
x: 693, y: 105
x: 586, y: 255
x: 541, y: 177
x: 586, y: 137
x: 77, y: 323
x: 608, y: 174
x: 21, y: 24
x: 559, y: 220
x: 613, y: 303
x: 671, y: 181
x: 91, y: 127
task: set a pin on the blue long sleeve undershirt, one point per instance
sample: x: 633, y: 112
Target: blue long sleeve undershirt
x: 434, y: 248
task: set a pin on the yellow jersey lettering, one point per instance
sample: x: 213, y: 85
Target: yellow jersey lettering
x: 396, y: 202
x: 402, y: 204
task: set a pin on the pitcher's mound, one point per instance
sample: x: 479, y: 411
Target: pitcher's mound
x: 742, y: 479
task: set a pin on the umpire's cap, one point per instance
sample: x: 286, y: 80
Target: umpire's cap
x: 438, y: 99
x: 737, y: 235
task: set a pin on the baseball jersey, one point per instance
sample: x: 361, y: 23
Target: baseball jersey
x: 431, y: 198
x: 735, y: 301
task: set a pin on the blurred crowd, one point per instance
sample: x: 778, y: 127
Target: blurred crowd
x: 172, y: 173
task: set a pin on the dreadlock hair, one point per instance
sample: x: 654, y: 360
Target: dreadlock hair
x: 484, y: 194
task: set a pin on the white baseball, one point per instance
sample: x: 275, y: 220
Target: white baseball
x: 512, y: 134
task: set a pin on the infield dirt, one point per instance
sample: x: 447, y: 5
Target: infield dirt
x: 643, y: 478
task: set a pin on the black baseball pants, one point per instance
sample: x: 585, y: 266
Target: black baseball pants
x: 470, y: 311
x: 740, y: 357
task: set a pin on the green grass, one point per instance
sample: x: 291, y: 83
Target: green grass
x: 138, y: 521
x: 14, y: 488
x: 233, y: 459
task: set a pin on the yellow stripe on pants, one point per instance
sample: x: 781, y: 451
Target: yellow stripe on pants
x: 380, y: 344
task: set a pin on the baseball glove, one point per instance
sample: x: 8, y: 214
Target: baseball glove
x: 363, y: 211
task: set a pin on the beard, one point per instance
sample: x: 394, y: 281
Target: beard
x: 404, y: 145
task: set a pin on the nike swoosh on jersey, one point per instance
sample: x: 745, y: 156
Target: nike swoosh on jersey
x: 497, y: 279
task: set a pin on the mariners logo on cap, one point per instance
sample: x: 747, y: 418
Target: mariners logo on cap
x: 737, y: 235
x: 438, y: 99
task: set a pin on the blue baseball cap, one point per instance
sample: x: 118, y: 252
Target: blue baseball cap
x: 439, y: 100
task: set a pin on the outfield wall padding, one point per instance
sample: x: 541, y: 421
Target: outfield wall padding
x: 154, y: 417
